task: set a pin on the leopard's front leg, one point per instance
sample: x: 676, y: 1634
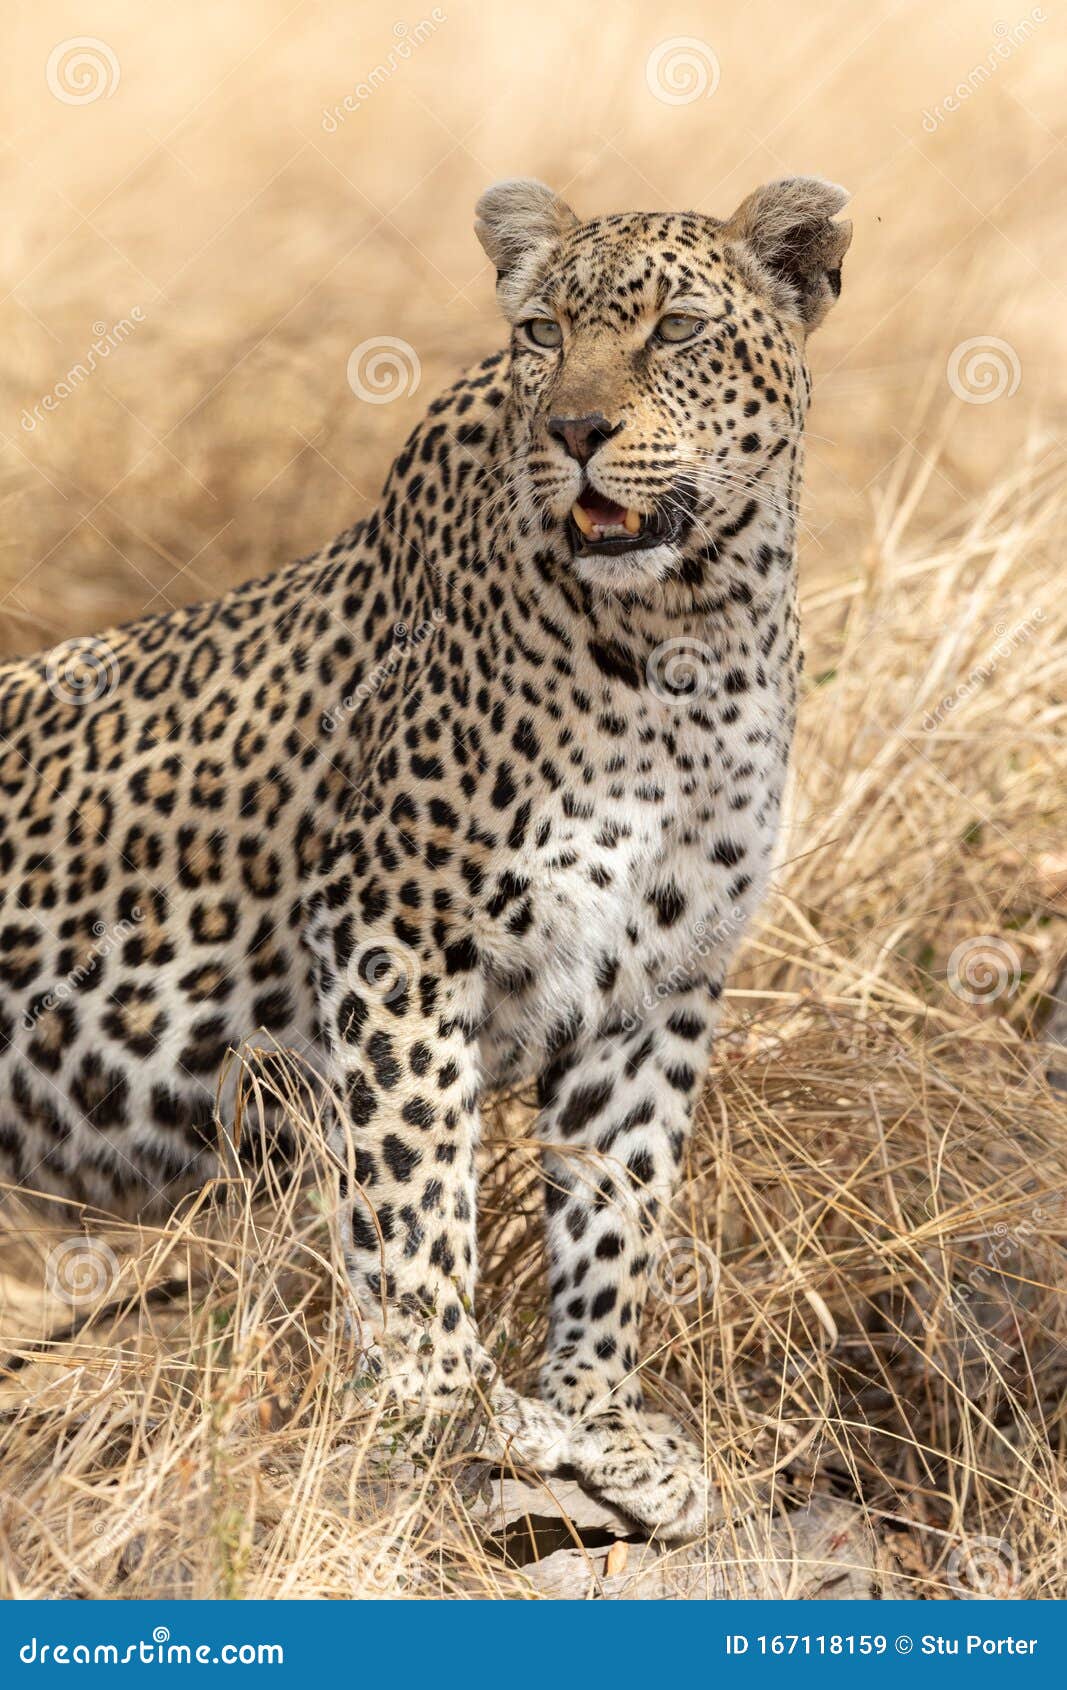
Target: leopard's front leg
x: 616, y: 1115
x: 399, y: 1024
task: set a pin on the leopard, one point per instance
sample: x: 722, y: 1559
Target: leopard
x: 481, y: 795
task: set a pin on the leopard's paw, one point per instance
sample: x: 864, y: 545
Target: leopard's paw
x: 643, y: 1465
x: 469, y: 1405
x: 522, y: 1429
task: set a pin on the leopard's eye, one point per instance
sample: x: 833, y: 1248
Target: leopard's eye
x: 676, y: 327
x: 543, y: 331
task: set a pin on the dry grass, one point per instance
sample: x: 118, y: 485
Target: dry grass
x: 880, y: 1167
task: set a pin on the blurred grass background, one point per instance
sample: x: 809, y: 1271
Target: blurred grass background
x: 261, y: 237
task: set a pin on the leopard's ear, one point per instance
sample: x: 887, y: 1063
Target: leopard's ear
x: 518, y: 222
x: 784, y: 237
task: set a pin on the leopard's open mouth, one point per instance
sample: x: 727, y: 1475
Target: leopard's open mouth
x: 597, y: 525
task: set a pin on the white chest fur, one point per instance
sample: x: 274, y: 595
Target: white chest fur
x: 641, y: 881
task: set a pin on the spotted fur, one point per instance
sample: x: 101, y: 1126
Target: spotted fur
x: 452, y: 803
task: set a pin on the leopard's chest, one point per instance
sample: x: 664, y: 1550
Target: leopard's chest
x: 615, y: 897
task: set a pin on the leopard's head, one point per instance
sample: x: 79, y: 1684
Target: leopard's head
x: 658, y: 376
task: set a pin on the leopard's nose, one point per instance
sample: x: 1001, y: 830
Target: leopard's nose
x: 580, y: 437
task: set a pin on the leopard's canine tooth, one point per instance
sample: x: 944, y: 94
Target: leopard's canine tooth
x: 582, y: 518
